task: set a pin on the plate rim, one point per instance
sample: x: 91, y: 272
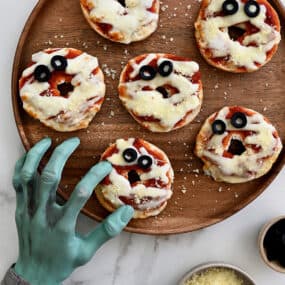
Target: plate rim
x: 278, y: 165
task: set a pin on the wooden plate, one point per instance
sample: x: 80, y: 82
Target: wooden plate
x: 198, y: 201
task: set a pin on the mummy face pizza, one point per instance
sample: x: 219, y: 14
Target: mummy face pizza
x: 162, y: 92
x: 237, y: 35
x: 142, y: 177
x: 237, y: 145
x: 123, y: 21
x: 63, y: 88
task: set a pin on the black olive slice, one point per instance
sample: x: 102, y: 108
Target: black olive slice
x: 219, y: 127
x: 163, y: 92
x: 235, y: 33
x: 230, y: 7
x: 130, y: 155
x: 165, y: 68
x: 59, y: 62
x: 236, y: 147
x: 42, y: 73
x: 122, y: 2
x: 239, y: 120
x: 133, y: 177
x: 64, y: 88
x: 252, y: 8
x: 147, y: 72
x: 145, y: 161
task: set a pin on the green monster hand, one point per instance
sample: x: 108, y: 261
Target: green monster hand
x: 49, y: 247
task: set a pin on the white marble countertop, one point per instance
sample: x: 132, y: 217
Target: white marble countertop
x: 131, y: 259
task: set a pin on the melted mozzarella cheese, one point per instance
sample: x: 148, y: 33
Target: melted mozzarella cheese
x: 152, y: 104
x: 88, y: 88
x: 216, y: 37
x: 249, y: 164
x: 120, y: 186
x: 130, y: 21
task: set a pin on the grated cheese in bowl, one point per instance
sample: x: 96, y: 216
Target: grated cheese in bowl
x: 215, y: 276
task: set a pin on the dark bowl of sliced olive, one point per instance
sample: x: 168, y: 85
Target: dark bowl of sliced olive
x: 272, y: 244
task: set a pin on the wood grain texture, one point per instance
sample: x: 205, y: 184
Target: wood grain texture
x: 280, y: 5
x: 198, y: 201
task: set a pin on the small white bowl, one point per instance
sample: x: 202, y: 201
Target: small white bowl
x: 272, y: 264
x: 203, y: 267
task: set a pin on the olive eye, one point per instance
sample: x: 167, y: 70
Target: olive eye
x: 59, y: 62
x: 239, y: 120
x: 145, y: 161
x: 218, y: 127
x: 230, y: 7
x: 130, y: 155
x: 147, y: 72
x: 252, y: 9
x: 42, y: 73
x: 165, y: 68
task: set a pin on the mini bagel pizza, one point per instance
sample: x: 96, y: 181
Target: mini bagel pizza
x: 63, y: 88
x: 237, y: 144
x: 123, y: 21
x: 237, y: 35
x: 142, y: 177
x: 162, y: 92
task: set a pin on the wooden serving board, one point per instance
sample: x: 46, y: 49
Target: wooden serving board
x: 198, y: 201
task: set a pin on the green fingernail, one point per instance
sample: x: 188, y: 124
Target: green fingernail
x: 75, y: 139
x: 106, y: 164
x: 127, y: 214
x: 45, y: 141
